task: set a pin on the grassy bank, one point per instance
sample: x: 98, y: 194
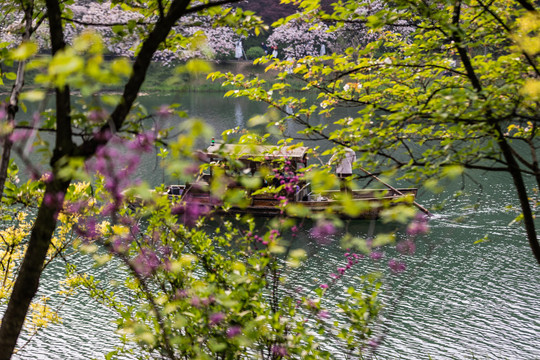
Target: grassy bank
x: 168, y: 79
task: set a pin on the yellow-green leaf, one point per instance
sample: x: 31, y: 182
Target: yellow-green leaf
x: 24, y: 51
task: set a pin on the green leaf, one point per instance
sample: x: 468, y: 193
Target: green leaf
x: 24, y: 51
x: 121, y: 66
x: 297, y: 210
x: 64, y: 64
x: 216, y: 345
x: 258, y: 120
x: 384, y: 239
x: 10, y: 75
x: 197, y: 66
x: 33, y: 95
x: 485, y: 238
x: 453, y: 171
x: 251, y: 182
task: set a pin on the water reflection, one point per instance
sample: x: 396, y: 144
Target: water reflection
x: 238, y: 115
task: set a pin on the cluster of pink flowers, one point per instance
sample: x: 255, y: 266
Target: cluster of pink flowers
x: 3, y: 111
x: 396, y: 266
x: 146, y: 262
x: 87, y: 229
x: 294, y: 231
x: 280, y: 350
x: 287, y: 178
x: 234, y: 331
x: 256, y: 238
x: 54, y: 200
x: 419, y: 226
x: 191, y: 210
x: 273, y: 236
x: 97, y: 116
x: 299, y: 38
x: 118, y: 162
x: 406, y: 247
x: 216, y: 318
x: 323, y: 231
x: 21, y: 135
x: 121, y: 244
x: 352, y: 259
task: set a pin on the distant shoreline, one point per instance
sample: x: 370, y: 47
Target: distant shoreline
x: 167, y: 79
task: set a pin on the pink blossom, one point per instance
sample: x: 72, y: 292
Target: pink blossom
x: 164, y: 111
x: 396, y: 266
x: 280, y: 350
x: 323, y: 314
x: 373, y: 343
x: 418, y: 226
x: 234, y: 331
x: 216, y: 318
x: 54, y: 200
x: 181, y: 294
x: 300, y: 38
x: 376, y: 255
x: 19, y: 135
x: 209, y: 300
x: 146, y: 262
x: 142, y: 142
x: 121, y: 244
x: 97, y: 115
x: 191, y: 211
x: 407, y: 247
x: 3, y: 111
x: 109, y: 209
x: 323, y: 231
x: 195, y: 301
x: 87, y: 229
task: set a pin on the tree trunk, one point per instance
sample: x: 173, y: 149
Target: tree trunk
x: 521, y: 189
x: 4, y: 163
x: 12, y: 107
x: 27, y: 281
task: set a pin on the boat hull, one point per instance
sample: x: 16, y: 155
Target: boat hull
x: 367, y: 204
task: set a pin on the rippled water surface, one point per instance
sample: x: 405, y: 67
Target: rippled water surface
x: 456, y: 300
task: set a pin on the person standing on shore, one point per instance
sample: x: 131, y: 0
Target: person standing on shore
x: 274, y: 51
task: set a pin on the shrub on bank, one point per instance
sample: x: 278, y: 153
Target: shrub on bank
x: 254, y: 52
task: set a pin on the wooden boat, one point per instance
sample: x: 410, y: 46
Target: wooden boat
x: 302, y: 202
x: 364, y: 204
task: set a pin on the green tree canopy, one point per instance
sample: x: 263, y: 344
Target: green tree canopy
x: 443, y: 87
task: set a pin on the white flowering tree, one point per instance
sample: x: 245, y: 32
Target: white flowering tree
x: 298, y: 38
x: 357, y: 32
x: 196, y: 36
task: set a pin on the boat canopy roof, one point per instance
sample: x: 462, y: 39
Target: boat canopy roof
x: 248, y: 151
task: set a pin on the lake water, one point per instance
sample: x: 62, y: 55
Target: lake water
x: 456, y: 300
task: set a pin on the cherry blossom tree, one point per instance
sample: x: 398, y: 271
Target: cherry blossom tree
x: 196, y: 36
x: 356, y: 32
x: 299, y: 38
